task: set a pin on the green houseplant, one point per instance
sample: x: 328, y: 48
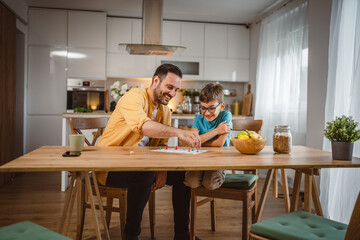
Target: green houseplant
x: 342, y: 133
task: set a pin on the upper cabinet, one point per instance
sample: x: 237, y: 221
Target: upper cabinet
x: 226, y: 53
x: 192, y: 37
x: 48, y: 27
x: 87, y: 45
x: 119, y: 62
x: 87, y: 29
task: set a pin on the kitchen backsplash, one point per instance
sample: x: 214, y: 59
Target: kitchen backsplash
x: 238, y: 87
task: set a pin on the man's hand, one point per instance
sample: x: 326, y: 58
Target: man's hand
x: 160, y: 180
x: 223, y: 128
x: 191, y: 137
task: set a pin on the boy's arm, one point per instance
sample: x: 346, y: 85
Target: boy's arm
x: 218, y: 142
x: 206, y: 136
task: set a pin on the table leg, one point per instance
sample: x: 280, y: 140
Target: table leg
x: 307, y: 193
x: 296, y: 190
x: 92, y: 204
x: 285, y: 190
x: 67, y: 202
x: 275, y: 184
x: 264, y: 194
x: 102, y: 216
x: 316, y: 200
x: 81, y: 211
x: 72, y: 201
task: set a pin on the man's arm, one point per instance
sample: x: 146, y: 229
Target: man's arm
x: 154, y: 129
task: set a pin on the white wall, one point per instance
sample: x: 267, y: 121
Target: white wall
x: 319, y: 23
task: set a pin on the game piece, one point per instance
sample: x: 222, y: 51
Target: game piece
x: 192, y: 149
x: 179, y: 151
x: 176, y: 148
x: 166, y: 147
x: 160, y: 148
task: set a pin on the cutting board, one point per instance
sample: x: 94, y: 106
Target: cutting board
x: 246, y: 107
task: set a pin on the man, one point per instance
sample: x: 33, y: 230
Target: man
x: 141, y: 118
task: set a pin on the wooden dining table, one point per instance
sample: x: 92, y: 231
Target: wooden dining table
x: 304, y: 160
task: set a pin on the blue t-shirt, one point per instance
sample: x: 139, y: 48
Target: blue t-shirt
x: 204, y: 126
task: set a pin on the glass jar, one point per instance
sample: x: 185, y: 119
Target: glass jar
x: 282, y: 140
x: 186, y: 107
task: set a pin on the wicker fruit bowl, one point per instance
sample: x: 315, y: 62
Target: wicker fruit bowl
x: 249, y: 146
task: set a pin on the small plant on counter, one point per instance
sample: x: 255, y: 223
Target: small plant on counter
x: 82, y: 110
x: 195, y: 93
x: 186, y: 92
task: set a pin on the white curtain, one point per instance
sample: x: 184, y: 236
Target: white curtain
x: 281, y: 80
x: 340, y: 187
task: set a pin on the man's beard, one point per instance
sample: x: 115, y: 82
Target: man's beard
x: 159, y: 97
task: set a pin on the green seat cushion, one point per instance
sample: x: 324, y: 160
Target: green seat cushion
x: 30, y: 231
x: 300, y: 226
x: 239, y: 181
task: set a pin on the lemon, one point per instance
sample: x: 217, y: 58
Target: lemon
x: 243, y: 136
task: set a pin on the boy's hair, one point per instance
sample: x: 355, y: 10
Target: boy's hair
x: 212, y: 92
x: 164, y: 69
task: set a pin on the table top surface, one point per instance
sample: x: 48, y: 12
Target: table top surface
x: 49, y: 158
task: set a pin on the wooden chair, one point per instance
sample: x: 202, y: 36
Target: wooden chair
x: 304, y: 225
x: 111, y: 193
x: 256, y: 125
x: 247, y: 195
x: 233, y: 189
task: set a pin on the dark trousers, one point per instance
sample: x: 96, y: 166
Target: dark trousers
x: 139, y: 186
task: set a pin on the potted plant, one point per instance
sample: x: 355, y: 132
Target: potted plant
x: 342, y: 133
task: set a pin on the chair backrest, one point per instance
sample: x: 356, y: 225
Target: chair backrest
x: 78, y: 124
x: 353, y: 230
x: 242, y: 124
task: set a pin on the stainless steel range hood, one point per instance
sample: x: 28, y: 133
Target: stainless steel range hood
x: 152, y: 30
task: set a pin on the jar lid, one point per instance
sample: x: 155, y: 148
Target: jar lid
x: 282, y: 127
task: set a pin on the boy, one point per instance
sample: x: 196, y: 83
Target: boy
x: 214, y: 126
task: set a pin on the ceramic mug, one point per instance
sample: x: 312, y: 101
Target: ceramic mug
x: 76, y: 142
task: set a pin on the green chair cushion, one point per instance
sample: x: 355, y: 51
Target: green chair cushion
x: 239, y: 181
x: 30, y: 231
x: 300, y: 226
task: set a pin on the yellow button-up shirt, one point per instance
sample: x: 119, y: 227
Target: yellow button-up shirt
x: 125, y: 124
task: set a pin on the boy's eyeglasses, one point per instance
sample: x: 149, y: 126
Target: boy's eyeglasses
x: 211, y: 109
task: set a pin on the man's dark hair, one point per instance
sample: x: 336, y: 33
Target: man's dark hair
x: 212, y: 92
x: 164, y: 69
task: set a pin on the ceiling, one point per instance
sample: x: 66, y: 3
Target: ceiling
x: 222, y: 11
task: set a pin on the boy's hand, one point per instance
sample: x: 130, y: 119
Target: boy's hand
x: 191, y: 137
x: 223, y: 128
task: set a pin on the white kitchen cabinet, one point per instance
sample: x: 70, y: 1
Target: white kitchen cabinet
x: 216, y: 40
x: 46, y: 80
x: 87, y: 29
x: 122, y: 30
x: 43, y: 130
x: 47, y: 27
x: 125, y: 65
x: 223, y: 69
x: 192, y: 37
x: 86, y: 63
x: 238, y: 42
x: 136, y: 34
x: 171, y: 35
